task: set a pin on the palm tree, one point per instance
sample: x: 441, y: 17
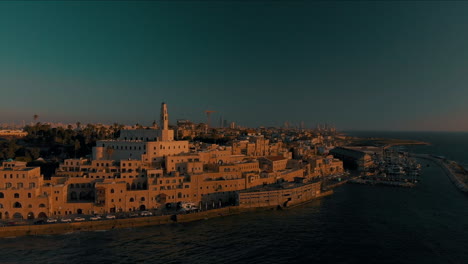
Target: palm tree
x: 35, y: 117
x: 77, y: 146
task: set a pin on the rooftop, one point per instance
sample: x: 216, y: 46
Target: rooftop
x: 275, y: 158
x: 277, y: 186
x: 17, y: 168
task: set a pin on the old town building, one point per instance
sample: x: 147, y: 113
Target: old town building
x: 147, y: 169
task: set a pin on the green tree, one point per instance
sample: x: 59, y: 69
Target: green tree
x: 34, y: 153
x: 77, y: 146
x: 11, y: 149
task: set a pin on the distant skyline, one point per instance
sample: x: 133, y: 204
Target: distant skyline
x: 362, y: 65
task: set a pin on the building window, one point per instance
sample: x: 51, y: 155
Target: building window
x: 17, y: 195
x: 29, y: 195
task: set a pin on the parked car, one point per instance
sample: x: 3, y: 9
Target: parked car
x: 51, y: 220
x: 110, y: 216
x: 66, y: 220
x: 146, y: 213
x: 79, y: 219
x: 96, y: 217
x: 187, y: 206
x: 39, y: 222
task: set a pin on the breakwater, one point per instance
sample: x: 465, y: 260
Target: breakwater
x: 379, y: 182
x: 63, y: 228
x: 458, y: 178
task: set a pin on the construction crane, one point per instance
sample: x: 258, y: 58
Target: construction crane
x: 208, y: 116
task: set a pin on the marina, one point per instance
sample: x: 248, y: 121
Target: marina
x: 391, y: 168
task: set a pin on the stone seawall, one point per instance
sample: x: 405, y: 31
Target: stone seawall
x: 63, y: 228
x: 322, y: 194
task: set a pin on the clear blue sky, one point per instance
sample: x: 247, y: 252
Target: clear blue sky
x: 359, y: 65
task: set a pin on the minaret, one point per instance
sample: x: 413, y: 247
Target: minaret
x: 164, y: 117
x: 164, y: 133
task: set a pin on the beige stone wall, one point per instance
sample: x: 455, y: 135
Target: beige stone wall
x: 282, y: 197
x: 159, y: 149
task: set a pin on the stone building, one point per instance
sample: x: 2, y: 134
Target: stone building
x: 21, y: 194
x: 353, y: 158
x: 145, y: 169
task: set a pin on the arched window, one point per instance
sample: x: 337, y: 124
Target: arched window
x: 8, y: 185
x: 1, y: 195
x: 16, y: 195
x: 19, y: 185
x: 43, y: 215
x: 32, y: 185
x: 72, y: 186
x: 128, y: 186
x: 112, y: 190
x: 142, y: 199
x: 30, y: 206
x: 73, y: 196
x: 139, y: 186
x: 1, y: 205
x: 17, y: 205
x: 18, y: 216
x: 42, y: 205
x: 132, y: 200
x: 29, y: 195
x: 179, y: 195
